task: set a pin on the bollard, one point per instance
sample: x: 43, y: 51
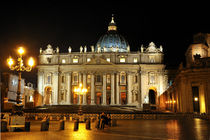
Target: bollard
x: 27, y: 126
x: 4, y: 126
x: 97, y: 123
x: 113, y: 122
x: 62, y: 125
x: 88, y: 124
x: 44, y: 126
x: 76, y: 124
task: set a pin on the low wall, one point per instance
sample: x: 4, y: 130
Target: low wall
x: 71, y: 116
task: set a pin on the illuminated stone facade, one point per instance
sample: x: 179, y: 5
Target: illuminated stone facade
x: 190, y: 91
x: 113, y: 74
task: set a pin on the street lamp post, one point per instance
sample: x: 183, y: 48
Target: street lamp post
x: 80, y: 91
x: 19, y: 68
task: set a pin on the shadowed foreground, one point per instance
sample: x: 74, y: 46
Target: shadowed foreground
x: 126, y: 129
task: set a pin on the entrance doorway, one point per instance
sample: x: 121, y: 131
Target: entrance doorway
x: 196, y: 103
x: 99, y: 98
x: 123, y: 98
x: 47, y: 95
x: 152, y: 97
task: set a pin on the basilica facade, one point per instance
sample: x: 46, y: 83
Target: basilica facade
x: 110, y: 71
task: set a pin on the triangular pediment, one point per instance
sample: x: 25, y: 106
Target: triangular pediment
x: 98, y: 61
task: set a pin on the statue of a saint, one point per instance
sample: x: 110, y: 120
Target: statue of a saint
x: 92, y: 48
x: 161, y: 48
x: 85, y: 49
x: 69, y: 49
x: 40, y: 50
x: 81, y: 48
x: 98, y: 49
x: 57, y: 50
x: 128, y: 48
x: 142, y: 48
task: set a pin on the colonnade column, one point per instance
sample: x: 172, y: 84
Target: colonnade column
x: 41, y: 82
x: 117, y: 89
x: 129, y: 88
x: 55, y: 88
x: 139, y: 90
x: 112, y: 89
x: 92, y: 90
x: 84, y: 86
x: 68, y: 101
x: 80, y: 80
x: 104, y: 89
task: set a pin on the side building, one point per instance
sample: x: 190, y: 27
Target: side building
x: 190, y: 91
x: 111, y: 72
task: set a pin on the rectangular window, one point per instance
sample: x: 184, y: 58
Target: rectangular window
x: 88, y: 59
x: 98, y: 78
x: 88, y: 79
x: 75, y: 60
x: 122, y: 60
x: 108, y: 59
x: 135, y: 60
x: 108, y: 79
x: 152, y: 59
x: 75, y: 79
x: 63, y: 61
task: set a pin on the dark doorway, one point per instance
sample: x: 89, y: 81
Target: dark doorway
x: 152, y: 97
x: 196, y: 106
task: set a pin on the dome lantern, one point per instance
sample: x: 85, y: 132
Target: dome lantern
x: 112, y: 25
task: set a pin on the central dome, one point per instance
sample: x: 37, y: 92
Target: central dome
x: 112, y: 41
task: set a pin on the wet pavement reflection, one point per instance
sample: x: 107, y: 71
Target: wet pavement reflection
x: 182, y: 129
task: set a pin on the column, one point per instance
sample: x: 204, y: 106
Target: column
x: 41, y: 83
x: 144, y: 92
x: 92, y: 90
x: 104, y: 89
x: 84, y: 86
x: 80, y: 81
x: 117, y: 89
x: 55, y: 88
x: 139, y: 91
x: 112, y: 89
x: 68, y: 101
x: 129, y: 88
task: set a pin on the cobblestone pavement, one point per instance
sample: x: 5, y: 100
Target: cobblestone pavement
x: 191, y: 129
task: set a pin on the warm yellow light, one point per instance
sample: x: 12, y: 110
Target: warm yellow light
x: 174, y: 101
x: 10, y: 61
x: 20, y: 50
x: 80, y: 85
x: 31, y: 62
x: 196, y: 99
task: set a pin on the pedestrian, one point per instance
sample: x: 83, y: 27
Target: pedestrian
x: 103, y: 119
x: 108, y: 120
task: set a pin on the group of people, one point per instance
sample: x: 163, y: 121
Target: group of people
x: 103, y: 119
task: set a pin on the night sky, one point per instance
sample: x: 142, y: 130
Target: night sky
x: 37, y: 24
